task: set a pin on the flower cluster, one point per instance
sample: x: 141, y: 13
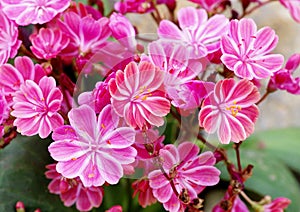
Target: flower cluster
x: 88, y: 82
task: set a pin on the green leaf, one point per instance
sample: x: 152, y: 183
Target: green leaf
x: 270, y: 176
x: 281, y: 143
x: 22, y: 167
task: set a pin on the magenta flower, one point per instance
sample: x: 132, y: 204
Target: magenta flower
x: 198, y: 33
x: 9, y: 43
x: 137, y: 95
x: 72, y: 191
x: 92, y: 148
x: 293, y: 7
x: 12, y: 77
x: 237, y: 205
x: 230, y: 110
x: 26, y: 12
x: 48, y: 43
x: 134, y: 6
x: 246, y: 50
x: 4, y: 109
x: 284, y: 80
x: 187, y: 170
x: 36, y: 107
x: 144, y: 191
x: 86, y: 34
x: 115, y: 208
x: 122, y: 30
x: 208, y: 5
x: 277, y: 205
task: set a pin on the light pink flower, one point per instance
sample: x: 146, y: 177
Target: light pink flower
x: 198, y: 33
x: 36, y: 107
x: 137, y: 95
x: 26, y: 12
x: 208, y: 5
x: 4, y: 109
x: 284, y: 80
x: 9, y: 43
x: 246, y: 50
x: 187, y: 170
x: 230, y: 110
x: 92, y: 148
x: 294, y: 8
x: 12, y: 77
x: 72, y: 191
x: 48, y: 43
x: 86, y: 34
x: 277, y: 205
x: 122, y: 30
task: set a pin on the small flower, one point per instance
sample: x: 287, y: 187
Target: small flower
x: 277, y: 205
x: 9, y: 43
x: 144, y: 191
x: 122, y: 30
x: 26, y: 12
x: 36, y: 107
x: 208, y: 5
x: 86, y: 34
x: 246, y: 50
x: 92, y: 148
x: 137, y: 95
x: 293, y: 7
x: 115, y: 208
x: 134, y: 6
x: 72, y: 190
x: 48, y: 43
x: 227, y: 205
x: 187, y: 170
x: 230, y: 110
x: 4, y: 109
x: 12, y: 77
x: 198, y: 33
x: 284, y: 80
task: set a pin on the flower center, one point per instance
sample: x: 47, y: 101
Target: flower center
x: 143, y: 94
x: 234, y: 109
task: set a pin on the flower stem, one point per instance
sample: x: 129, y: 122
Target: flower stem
x: 236, y: 146
x: 263, y: 97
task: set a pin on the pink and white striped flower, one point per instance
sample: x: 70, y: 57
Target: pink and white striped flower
x: 9, y: 43
x: 138, y: 95
x: 86, y: 34
x: 26, y: 12
x: 12, y: 77
x: 246, y: 50
x: 92, y: 148
x: 293, y: 7
x: 187, y: 170
x: 36, y: 107
x: 230, y: 110
x: 198, y: 33
x: 72, y: 191
x: 48, y: 43
x: 277, y: 205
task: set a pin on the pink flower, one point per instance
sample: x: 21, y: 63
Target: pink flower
x: 294, y: 8
x: 187, y: 170
x: 208, y: 5
x: 246, y: 50
x: 26, y: 12
x: 198, y: 33
x: 230, y: 110
x: 86, y: 34
x: 4, y: 109
x: 137, y: 95
x: 144, y: 192
x: 277, y: 205
x: 92, y: 148
x: 12, y: 77
x: 72, y: 190
x: 122, y: 30
x: 284, y: 80
x: 36, y: 107
x: 9, y: 43
x: 237, y: 205
x: 84, y: 10
x: 48, y: 43
x: 134, y: 6
x: 115, y: 208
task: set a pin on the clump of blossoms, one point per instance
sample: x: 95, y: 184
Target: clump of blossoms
x: 113, y: 102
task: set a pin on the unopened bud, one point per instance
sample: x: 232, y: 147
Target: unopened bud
x: 20, y: 207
